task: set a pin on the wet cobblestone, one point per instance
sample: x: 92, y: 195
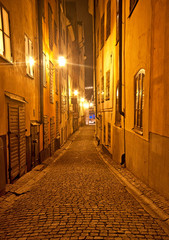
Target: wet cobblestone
x: 78, y: 198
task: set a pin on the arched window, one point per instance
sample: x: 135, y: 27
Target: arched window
x: 139, y: 100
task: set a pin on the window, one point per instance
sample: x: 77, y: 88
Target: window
x: 5, y: 36
x: 44, y: 70
x: 108, y: 86
x: 109, y: 134
x: 108, y: 26
x: 55, y: 33
x: 29, y: 56
x: 102, y: 31
x: 139, y: 100
x: 97, y: 44
x: 104, y: 133
x: 117, y: 21
x: 56, y: 82
x: 98, y: 93
x: 51, y: 82
x: 50, y: 26
x: 133, y: 3
x: 102, y: 97
x: 118, y: 116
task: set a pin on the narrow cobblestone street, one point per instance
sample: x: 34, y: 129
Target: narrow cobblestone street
x: 78, y: 198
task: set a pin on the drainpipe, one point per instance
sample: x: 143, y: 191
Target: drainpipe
x: 123, y: 160
x: 94, y: 53
x: 40, y: 14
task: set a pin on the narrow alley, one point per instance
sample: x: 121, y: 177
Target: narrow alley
x: 76, y: 197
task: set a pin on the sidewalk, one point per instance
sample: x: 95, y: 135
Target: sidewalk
x: 153, y: 202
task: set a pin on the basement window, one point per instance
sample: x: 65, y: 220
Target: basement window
x: 5, y: 36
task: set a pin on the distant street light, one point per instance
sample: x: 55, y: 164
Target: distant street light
x: 61, y: 61
x: 82, y: 99
x: 91, y: 104
x: 75, y: 92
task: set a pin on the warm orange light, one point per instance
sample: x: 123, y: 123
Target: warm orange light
x: 61, y: 61
x: 91, y: 104
x: 31, y: 61
x: 75, y: 92
x: 82, y: 99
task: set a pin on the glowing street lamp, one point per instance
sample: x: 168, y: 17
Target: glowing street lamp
x: 75, y: 92
x: 82, y: 99
x: 91, y: 105
x: 61, y: 61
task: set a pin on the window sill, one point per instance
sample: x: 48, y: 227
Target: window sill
x: 138, y: 131
x: 6, y: 60
x: 30, y: 76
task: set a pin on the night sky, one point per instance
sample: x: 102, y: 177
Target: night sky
x: 86, y: 18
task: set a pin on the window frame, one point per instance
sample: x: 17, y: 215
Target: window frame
x: 133, y: 4
x: 102, y: 89
x: 102, y: 32
x: 50, y: 12
x: 51, y: 82
x: 139, y: 101
x: 29, y: 70
x: 3, y: 55
x: 107, y: 85
x: 108, y: 20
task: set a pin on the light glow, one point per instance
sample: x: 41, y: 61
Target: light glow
x: 86, y: 105
x: 82, y: 99
x: 91, y: 104
x: 31, y: 61
x: 76, y: 92
x: 61, y: 61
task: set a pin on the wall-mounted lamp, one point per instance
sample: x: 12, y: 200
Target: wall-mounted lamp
x: 75, y: 92
x: 61, y: 61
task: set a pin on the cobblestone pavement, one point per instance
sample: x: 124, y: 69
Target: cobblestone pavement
x: 78, y: 197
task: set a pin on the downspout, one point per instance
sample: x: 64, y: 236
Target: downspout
x: 59, y: 69
x: 123, y: 160
x: 40, y: 15
x: 94, y: 53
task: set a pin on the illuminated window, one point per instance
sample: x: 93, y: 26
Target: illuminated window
x: 102, y: 92
x: 139, y: 100
x: 50, y: 26
x: 102, y: 31
x: 117, y: 21
x: 108, y: 26
x: 108, y: 86
x: 118, y: 116
x: 29, y: 56
x: 133, y: 3
x: 5, y: 37
x: 51, y: 82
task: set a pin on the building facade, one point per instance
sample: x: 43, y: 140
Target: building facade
x: 34, y: 89
x: 131, y: 85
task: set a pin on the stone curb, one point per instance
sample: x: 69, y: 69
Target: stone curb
x: 147, y: 203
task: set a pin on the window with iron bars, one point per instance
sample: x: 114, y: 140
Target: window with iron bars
x: 139, y: 100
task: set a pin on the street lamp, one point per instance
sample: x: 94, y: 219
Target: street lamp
x: 61, y: 61
x: 75, y: 92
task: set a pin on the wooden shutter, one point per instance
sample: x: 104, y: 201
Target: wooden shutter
x: 22, y: 140
x: 52, y: 135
